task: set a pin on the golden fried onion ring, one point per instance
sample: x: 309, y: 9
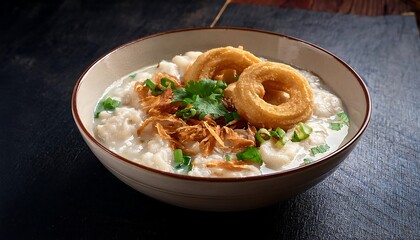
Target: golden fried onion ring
x: 249, y: 91
x: 220, y: 61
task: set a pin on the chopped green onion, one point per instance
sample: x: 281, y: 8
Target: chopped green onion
x: 320, y: 149
x: 228, y: 158
x: 108, y: 104
x: 230, y: 116
x: 178, y: 156
x: 150, y: 84
x: 111, y: 104
x: 187, y: 163
x: 343, y: 116
x: 336, y: 126
x: 344, y: 119
x: 165, y: 82
x: 201, y: 116
x: 155, y: 90
x: 301, y: 132
x: 186, y: 112
x: 262, y: 135
x: 280, y: 144
x: 307, y: 160
x: 184, y: 161
x: 251, y: 154
x: 279, y: 134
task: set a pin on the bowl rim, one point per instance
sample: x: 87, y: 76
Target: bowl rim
x: 314, y: 164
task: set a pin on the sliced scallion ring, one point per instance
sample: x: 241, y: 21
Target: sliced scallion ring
x: 166, y: 82
x: 280, y: 135
x: 178, y: 156
x: 302, y: 131
x: 150, y: 84
x: 262, y: 135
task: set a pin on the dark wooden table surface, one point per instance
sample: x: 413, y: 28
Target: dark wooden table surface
x: 53, y: 187
x: 357, y: 7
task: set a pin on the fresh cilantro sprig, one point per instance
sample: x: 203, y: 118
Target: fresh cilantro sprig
x: 108, y: 104
x: 201, y: 98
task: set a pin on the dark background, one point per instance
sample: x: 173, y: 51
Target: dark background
x: 53, y: 187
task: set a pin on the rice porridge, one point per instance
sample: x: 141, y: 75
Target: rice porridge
x: 149, y: 118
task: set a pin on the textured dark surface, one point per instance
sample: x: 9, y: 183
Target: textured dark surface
x: 375, y: 194
x: 52, y: 186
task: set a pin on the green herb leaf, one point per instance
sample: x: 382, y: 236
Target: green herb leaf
x: 179, y: 94
x: 205, y: 87
x: 108, y: 104
x: 320, y: 149
x: 111, y: 104
x: 251, y: 154
x: 230, y: 116
x: 209, y: 106
x: 205, y: 96
x: 98, y: 110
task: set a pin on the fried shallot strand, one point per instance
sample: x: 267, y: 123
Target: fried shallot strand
x: 177, y: 131
x: 174, y: 143
x: 159, y: 75
x: 233, y: 165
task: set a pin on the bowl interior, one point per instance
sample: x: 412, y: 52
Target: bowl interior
x: 150, y: 50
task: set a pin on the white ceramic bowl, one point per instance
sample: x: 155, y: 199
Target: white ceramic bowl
x: 220, y: 194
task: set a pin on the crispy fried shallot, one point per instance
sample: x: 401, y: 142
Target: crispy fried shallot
x: 233, y: 165
x: 179, y: 132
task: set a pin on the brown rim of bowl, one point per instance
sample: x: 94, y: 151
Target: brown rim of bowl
x: 320, y: 161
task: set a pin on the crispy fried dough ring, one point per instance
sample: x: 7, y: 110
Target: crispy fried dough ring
x: 250, y: 89
x: 215, y: 61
